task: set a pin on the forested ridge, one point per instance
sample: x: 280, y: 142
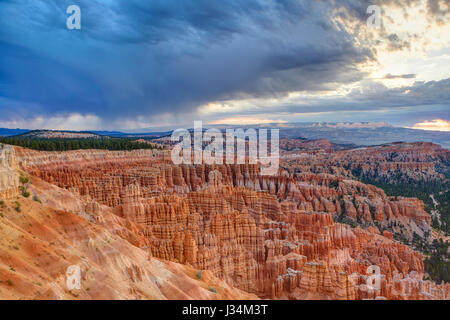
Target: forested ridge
x: 58, y: 144
x: 437, y: 261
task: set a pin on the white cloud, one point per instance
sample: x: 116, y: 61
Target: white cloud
x: 74, y: 121
x: 434, y: 125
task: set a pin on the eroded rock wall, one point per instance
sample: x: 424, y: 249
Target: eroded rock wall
x: 9, y: 179
x: 272, y: 236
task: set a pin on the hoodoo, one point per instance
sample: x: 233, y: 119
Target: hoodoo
x: 275, y: 237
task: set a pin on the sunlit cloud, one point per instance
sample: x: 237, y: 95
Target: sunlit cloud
x: 245, y: 121
x: 434, y: 125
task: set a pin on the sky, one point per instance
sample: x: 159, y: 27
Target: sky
x: 144, y: 64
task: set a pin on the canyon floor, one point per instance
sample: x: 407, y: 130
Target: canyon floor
x: 140, y: 227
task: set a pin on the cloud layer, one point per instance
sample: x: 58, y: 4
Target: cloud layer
x: 434, y: 125
x: 134, y: 61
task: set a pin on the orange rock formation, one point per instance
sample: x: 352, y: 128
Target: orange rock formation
x: 275, y: 237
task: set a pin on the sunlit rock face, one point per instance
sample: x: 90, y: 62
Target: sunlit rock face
x: 273, y: 236
x: 9, y: 179
x: 392, y: 163
x: 58, y: 229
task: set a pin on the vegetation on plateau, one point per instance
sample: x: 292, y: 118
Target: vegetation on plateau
x: 59, y: 144
x: 437, y: 261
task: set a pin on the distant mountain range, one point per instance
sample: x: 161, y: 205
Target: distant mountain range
x: 358, y: 133
x: 362, y: 134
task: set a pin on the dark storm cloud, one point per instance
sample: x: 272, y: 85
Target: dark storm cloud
x: 420, y: 93
x: 136, y: 57
x: 147, y: 57
x: 30, y: 77
x: 373, y: 96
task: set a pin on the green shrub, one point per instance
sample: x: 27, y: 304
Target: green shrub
x: 199, y: 275
x: 25, y: 181
x: 212, y: 289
